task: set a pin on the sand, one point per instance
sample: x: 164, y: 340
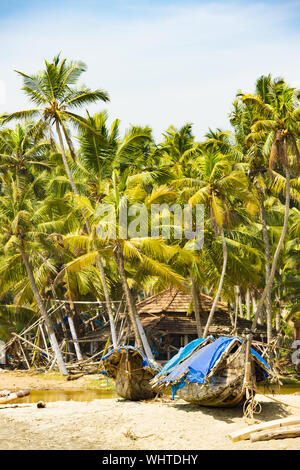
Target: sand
x: 119, y: 424
x: 22, y: 380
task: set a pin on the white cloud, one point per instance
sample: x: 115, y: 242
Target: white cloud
x: 176, y: 65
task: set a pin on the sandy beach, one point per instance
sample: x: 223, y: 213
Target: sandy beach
x: 118, y: 424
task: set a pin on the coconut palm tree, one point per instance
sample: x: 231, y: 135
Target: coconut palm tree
x: 21, y: 241
x: 255, y: 157
x: 23, y: 151
x: 101, y: 150
x: 53, y: 91
x: 277, y: 116
x: 216, y: 184
x: 146, y: 253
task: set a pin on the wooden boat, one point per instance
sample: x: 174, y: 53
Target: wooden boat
x: 213, y: 372
x: 132, y: 372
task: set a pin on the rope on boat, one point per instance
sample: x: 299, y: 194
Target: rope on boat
x: 251, y: 406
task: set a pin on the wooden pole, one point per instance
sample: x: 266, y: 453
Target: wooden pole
x: 43, y: 336
x: 36, y: 342
x: 28, y: 342
x: 25, y: 356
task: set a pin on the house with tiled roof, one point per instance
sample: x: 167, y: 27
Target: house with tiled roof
x: 169, y: 321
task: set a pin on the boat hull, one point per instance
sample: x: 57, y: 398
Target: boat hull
x: 216, y: 396
x: 132, y: 380
x: 226, y: 386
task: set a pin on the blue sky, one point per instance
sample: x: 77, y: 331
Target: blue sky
x: 162, y: 62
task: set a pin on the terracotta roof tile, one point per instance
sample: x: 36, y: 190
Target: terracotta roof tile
x: 173, y: 300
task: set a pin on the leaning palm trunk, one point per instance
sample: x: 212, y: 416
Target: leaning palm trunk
x: 130, y: 303
x: 247, y: 299
x: 99, y: 262
x: 65, y: 162
x: 44, y: 313
x: 267, y: 259
x: 214, y: 305
x: 74, y: 332
x: 268, y: 287
x: 61, y: 316
x: 108, y: 302
x: 195, y: 293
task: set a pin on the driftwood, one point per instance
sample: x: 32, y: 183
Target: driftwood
x: 4, y: 407
x: 13, y: 396
x: 74, y: 377
x: 24, y: 352
x: 4, y: 393
x: 278, y: 433
x: 245, y: 433
x: 30, y: 344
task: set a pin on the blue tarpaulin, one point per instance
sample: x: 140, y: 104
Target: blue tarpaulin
x: 182, y: 353
x: 198, y: 365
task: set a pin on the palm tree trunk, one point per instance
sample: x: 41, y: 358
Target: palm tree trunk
x: 267, y: 260
x: 247, y: 299
x: 240, y: 302
x: 43, y: 312
x: 268, y: 286
x: 61, y: 317
x: 195, y: 294
x: 65, y: 161
x: 130, y: 303
x: 108, y: 303
x: 74, y: 332
x: 60, y: 314
x: 99, y: 262
x: 214, y: 305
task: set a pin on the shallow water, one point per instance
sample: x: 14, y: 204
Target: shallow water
x: 89, y: 395
x: 283, y: 390
x: 65, y: 395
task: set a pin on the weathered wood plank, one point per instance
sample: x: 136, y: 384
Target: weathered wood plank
x: 245, y: 433
x: 277, y: 433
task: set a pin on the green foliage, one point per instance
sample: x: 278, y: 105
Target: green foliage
x: 226, y: 172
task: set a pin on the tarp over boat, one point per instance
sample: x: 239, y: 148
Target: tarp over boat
x: 182, y: 354
x: 145, y: 361
x: 199, y: 364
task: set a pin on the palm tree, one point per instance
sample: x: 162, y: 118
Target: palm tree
x: 177, y: 148
x: 276, y: 116
x: 21, y: 242
x: 255, y: 158
x: 53, y: 91
x: 216, y: 184
x: 23, y: 151
x: 148, y: 254
x: 100, y: 151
